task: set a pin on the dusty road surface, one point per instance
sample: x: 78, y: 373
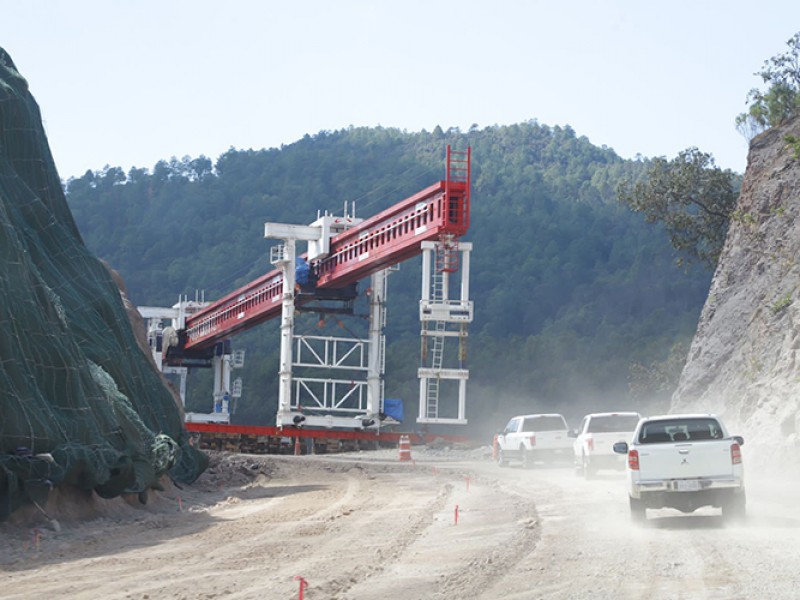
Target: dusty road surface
x: 365, y: 526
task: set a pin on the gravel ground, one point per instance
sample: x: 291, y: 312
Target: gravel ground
x: 447, y: 524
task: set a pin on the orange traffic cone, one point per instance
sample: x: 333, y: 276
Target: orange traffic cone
x: 297, y: 451
x: 405, y: 448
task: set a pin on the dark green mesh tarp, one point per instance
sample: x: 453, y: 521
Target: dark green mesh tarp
x: 81, y: 404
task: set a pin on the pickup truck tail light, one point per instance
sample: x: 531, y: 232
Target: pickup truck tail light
x: 590, y: 444
x: 736, y: 454
x: 532, y: 440
x: 633, y: 460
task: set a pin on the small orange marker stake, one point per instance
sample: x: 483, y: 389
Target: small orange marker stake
x: 180, y: 504
x: 303, y: 586
x: 456, y: 515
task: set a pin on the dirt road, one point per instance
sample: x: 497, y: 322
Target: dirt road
x: 367, y: 527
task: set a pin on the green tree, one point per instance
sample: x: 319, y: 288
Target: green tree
x: 781, y: 100
x: 691, y: 197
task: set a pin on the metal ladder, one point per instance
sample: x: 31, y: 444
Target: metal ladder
x: 447, y: 254
x: 437, y: 350
x: 458, y: 171
x: 458, y: 167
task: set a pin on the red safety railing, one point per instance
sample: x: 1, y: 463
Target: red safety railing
x: 395, y: 234
x: 254, y: 303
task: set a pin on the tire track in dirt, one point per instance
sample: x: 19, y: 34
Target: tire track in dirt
x: 441, y: 560
x: 493, y: 563
x: 372, y: 542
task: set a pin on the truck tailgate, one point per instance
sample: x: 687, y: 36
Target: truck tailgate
x: 603, y: 443
x: 552, y: 440
x: 685, y: 460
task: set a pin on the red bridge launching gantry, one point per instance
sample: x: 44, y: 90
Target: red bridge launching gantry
x: 390, y: 237
x: 342, y: 251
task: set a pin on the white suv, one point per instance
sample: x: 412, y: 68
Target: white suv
x: 528, y: 438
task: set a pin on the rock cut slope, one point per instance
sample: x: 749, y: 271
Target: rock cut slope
x: 744, y: 361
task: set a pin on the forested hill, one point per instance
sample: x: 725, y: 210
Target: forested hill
x: 571, y: 289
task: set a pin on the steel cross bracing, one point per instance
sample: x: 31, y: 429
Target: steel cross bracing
x: 330, y: 394
x: 352, y: 386
x: 386, y: 239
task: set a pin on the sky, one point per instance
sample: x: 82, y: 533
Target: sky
x: 129, y: 83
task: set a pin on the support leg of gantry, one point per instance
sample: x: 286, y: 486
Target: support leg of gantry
x: 284, y: 258
x: 287, y: 329
x: 375, y: 359
x: 221, y: 365
x: 439, y: 314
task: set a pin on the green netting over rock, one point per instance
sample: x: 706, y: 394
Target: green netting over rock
x: 81, y: 403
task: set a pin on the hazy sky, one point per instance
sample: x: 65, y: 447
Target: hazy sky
x: 127, y: 83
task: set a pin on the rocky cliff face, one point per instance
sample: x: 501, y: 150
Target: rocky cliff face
x: 744, y: 361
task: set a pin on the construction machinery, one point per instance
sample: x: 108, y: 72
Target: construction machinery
x: 341, y: 251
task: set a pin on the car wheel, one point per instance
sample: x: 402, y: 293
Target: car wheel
x: 527, y: 458
x: 734, y: 508
x: 502, y: 461
x: 588, y: 470
x: 638, y: 509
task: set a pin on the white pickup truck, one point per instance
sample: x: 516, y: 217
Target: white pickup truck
x: 684, y: 462
x: 595, y: 438
x: 529, y: 438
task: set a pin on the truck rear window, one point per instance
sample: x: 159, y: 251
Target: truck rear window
x: 612, y: 424
x: 680, y: 430
x: 544, y: 424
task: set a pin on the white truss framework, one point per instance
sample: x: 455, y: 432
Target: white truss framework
x: 330, y: 395
x: 331, y: 352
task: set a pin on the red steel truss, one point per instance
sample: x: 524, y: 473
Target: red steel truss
x: 388, y: 238
x: 396, y: 234
x: 254, y: 303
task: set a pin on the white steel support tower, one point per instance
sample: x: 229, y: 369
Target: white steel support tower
x: 377, y: 345
x: 221, y: 365
x: 283, y: 256
x: 441, y: 317
x: 350, y: 394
